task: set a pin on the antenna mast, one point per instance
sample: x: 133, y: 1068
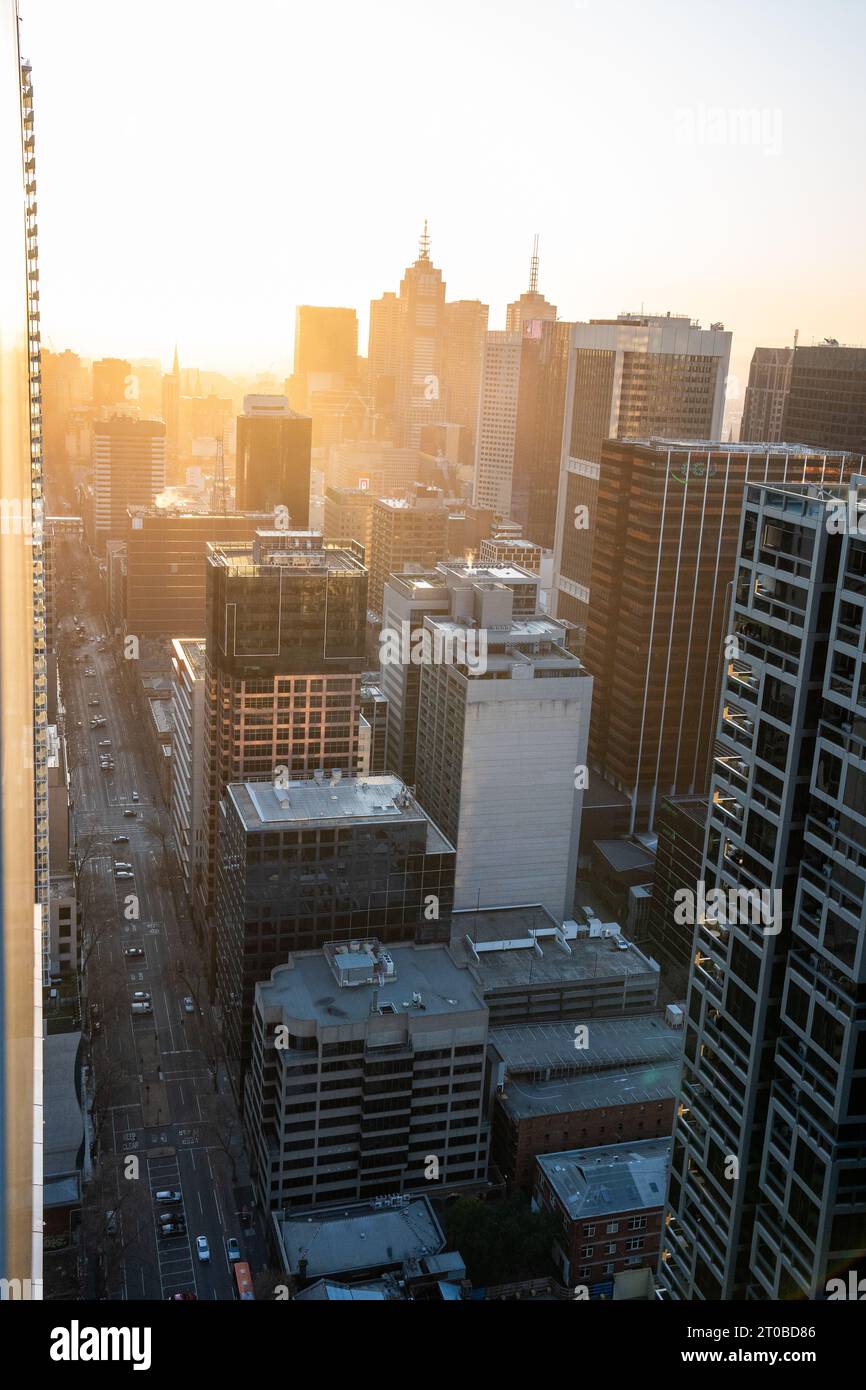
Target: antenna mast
x: 533, y: 268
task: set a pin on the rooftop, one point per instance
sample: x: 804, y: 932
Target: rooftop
x: 306, y: 988
x: 538, y: 1051
x: 193, y: 651
x: 271, y: 549
x: 312, y: 803
x: 361, y: 1236
x: 731, y: 450
x: 519, y: 964
x: 654, y: 1081
x: 604, y: 1181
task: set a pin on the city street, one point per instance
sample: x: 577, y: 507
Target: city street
x: 159, y: 1119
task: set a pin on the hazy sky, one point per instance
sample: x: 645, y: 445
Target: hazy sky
x: 204, y: 166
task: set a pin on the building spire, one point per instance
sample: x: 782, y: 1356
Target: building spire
x: 533, y: 268
x: 424, y: 244
x: 175, y: 366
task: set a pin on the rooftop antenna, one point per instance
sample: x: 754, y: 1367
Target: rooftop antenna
x: 533, y: 268
x: 424, y: 244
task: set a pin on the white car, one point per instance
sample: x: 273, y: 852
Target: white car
x: 202, y: 1249
x: 188, y: 1005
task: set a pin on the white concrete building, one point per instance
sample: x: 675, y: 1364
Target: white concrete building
x: 497, y: 422
x: 502, y: 749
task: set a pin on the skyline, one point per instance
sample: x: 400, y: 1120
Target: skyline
x: 167, y: 256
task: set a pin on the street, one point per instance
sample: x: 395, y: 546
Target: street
x: 162, y: 1116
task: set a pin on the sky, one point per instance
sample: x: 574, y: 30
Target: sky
x: 205, y: 166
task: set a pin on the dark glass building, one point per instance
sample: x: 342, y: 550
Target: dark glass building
x: 826, y: 403
x: 273, y: 459
x: 285, y: 633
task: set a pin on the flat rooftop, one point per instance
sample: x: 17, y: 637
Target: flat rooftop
x: 311, y: 804
x: 655, y: 1081
x: 596, y: 958
x: 194, y: 652
x: 536, y: 1050
x: 604, y: 1181
x: 717, y: 446
x: 624, y: 854
x: 306, y: 988
x: 360, y: 1237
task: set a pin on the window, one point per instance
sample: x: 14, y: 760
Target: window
x: 589, y: 1230
x: 611, y: 1249
x: 609, y: 1268
x: 634, y: 1245
x: 612, y: 1228
x: 587, y: 1252
x: 637, y: 1223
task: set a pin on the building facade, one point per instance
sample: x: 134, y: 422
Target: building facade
x: 668, y: 519
x: 128, y: 471
x: 272, y: 461
x: 310, y: 862
x: 766, y: 1197
x: 635, y: 376
x: 383, y: 1095
x: 767, y: 396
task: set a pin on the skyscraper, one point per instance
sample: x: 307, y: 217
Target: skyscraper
x: 634, y: 377
x: 111, y: 381
x: 406, y: 532
x: 286, y: 627
x: 21, y: 927
x: 766, y: 1196
x: 497, y: 422
x: 826, y: 403
x: 463, y: 334
x: 767, y: 396
x: 409, y: 598
x: 406, y: 342
x: 273, y: 459
x: 128, y: 471
x: 326, y: 341
x: 531, y: 306
x: 664, y: 558
x: 503, y: 721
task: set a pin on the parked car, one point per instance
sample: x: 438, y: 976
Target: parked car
x: 233, y: 1250
x: 124, y: 873
x: 135, y: 796
x: 202, y: 1249
x: 168, y: 1194
x: 120, y: 839
x: 105, y: 743
x: 128, y: 813
x: 182, y: 1298
x: 175, y: 1228
x: 188, y: 1005
x: 141, y: 994
x: 142, y: 1006
x: 134, y: 951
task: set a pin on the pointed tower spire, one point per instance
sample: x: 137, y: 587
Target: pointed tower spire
x: 424, y: 244
x: 533, y: 268
x: 175, y: 366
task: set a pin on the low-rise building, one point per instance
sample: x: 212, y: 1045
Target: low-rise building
x: 562, y: 1085
x: 609, y: 1202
